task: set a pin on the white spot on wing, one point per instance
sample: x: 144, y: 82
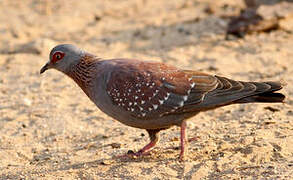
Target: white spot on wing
x: 168, y: 94
x: 192, y: 85
x: 155, y: 106
x: 185, y: 98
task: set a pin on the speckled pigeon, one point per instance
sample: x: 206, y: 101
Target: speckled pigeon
x: 152, y: 95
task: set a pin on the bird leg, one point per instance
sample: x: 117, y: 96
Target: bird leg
x: 154, y: 137
x: 183, y: 140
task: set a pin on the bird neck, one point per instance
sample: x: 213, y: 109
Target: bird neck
x: 83, y: 72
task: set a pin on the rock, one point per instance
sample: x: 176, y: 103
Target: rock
x: 248, y: 22
x: 279, y: 10
x: 27, y: 102
x: 263, y: 17
x: 115, y: 145
x: 107, y: 162
x: 286, y: 24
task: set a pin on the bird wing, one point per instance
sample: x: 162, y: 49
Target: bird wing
x: 151, y: 89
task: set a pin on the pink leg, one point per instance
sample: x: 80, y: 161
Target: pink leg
x: 154, y: 137
x: 183, y: 141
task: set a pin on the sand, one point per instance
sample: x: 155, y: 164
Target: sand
x: 50, y: 130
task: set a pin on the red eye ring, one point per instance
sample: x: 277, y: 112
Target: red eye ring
x: 58, y: 55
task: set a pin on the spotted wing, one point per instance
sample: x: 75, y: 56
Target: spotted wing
x: 149, y: 89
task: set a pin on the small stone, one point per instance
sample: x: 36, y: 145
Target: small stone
x: 130, y: 152
x: 105, y: 137
x: 106, y: 162
x: 27, y: 102
x: 272, y: 109
x: 287, y: 24
x: 115, y: 145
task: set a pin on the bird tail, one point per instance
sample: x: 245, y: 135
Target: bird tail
x: 229, y: 91
x: 269, y: 96
x: 264, y: 98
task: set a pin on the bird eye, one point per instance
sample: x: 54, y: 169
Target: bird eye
x: 57, y: 56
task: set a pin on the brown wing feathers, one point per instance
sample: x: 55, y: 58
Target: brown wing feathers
x: 161, y: 90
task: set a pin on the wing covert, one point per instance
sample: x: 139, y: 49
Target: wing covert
x: 150, y: 89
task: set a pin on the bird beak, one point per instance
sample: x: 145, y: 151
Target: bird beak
x: 44, y: 68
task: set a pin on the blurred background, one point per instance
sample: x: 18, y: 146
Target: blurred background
x: 49, y: 129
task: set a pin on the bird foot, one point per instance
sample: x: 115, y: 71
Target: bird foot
x: 181, y: 157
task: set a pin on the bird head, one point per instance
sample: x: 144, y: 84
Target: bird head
x: 62, y: 58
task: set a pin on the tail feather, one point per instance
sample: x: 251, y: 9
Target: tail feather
x: 265, y: 95
x: 275, y: 86
x: 269, y: 97
x: 230, y: 92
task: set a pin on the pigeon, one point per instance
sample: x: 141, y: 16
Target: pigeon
x: 153, y: 95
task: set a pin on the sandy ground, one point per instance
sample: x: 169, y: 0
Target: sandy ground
x: 49, y: 129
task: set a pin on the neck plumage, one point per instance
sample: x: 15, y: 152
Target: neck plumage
x: 84, y: 72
